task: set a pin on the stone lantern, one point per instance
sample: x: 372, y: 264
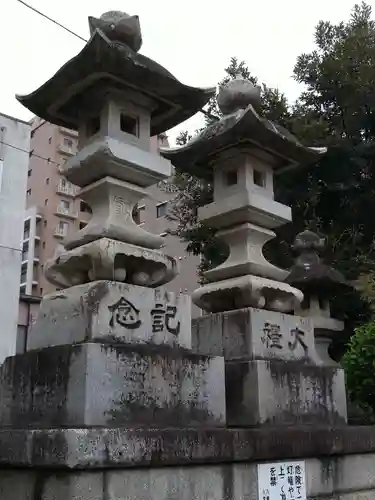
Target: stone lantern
x: 112, y: 347
x: 117, y: 99
x: 243, y: 152
x: 319, y: 282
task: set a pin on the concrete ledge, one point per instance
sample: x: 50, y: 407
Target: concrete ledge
x: 123, y: 447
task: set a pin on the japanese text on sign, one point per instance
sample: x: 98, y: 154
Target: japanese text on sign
x: 282, y: 481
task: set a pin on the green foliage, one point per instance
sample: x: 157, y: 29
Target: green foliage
x: 359, y: 364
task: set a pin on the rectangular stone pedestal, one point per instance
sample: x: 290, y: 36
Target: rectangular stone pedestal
x: 94, y: 384
x: 284, y: 393
x: 274, y: 375
x: 255, y: 333
x: 112, y: 312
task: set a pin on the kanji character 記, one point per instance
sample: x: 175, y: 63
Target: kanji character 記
x: 165, y: 318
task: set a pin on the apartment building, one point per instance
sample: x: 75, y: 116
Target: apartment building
x: 14, y: 147
x: 54, y: 211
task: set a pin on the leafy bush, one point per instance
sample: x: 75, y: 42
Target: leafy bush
x: 359, y: 364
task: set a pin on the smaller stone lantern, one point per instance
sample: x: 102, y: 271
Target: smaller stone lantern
x: 242, y: 152
x: 318, y: 283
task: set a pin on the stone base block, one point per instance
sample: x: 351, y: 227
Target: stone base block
x: 113, y: 312
x: 247, y: 334
x: 284, y: 393
x: 92, y: 384
x: 349, y: 477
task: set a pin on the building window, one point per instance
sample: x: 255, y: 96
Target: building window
x: 45, y: 223
x: 41, y: 291
x: 63, y: 227
x: 44, y: 243
x: 29, y: 172
x: 50, y: 140
x: 46, y: 202
x: 161, y: 209
x: 28, y: 192
x: 63, y: 182
x: 47, y: 181
x: 85, y: 207
x: 68, y: 142
x: 65, y: 204
x: 139, y: 214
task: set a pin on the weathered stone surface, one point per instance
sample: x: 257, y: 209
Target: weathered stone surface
x: 255, y: 334
x: 17, y: 484
x: 284, y: 393
x: 77, y: 486
x: 186, y: 483
x: 247, y: 291
x: 103, y: 385
x: 98, y: 448
x: 109, y: 156
x: 113, y: 312
x: 112, y: 203
x: 107, y: 259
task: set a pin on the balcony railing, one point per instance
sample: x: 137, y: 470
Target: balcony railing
x: 66, y: 212
x: 67, y: 189
x: 68, y: 131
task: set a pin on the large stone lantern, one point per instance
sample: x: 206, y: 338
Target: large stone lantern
x: 112, y: 347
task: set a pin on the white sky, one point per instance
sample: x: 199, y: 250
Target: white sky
x: 194, y: 39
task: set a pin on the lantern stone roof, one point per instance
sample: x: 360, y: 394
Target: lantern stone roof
x: 110, y: 60
x: 241, y: 126
x: 309, y: 273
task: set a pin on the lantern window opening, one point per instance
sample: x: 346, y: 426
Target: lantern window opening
x: 231, y: 177
x: 129, y: 124
x: 259, y: 178
x: 93, y: 126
